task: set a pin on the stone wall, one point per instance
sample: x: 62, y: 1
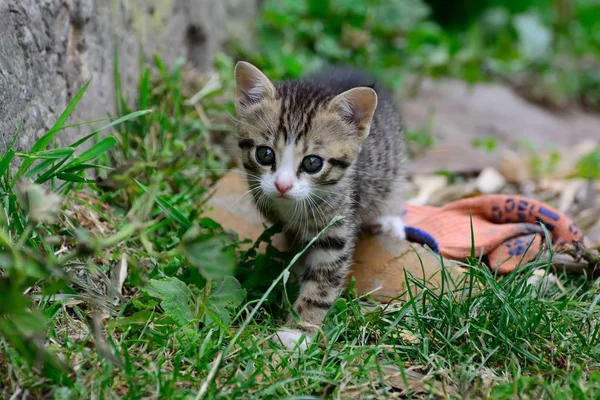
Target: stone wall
x: 49, y: 48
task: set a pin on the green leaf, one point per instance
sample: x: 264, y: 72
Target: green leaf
x: 53, y: 154
x: 225, y: 294
x: 5, y: 163
x: 39, y: 168
x: 535, y: 39
x: 329, y: 47
x: 144, y: 89
x: 49, y: 174
x: 588, y: 167
x: 227, y: 291
x: 23, y: 332
x: 46, y: 139
x: 82, y: 167
x: 211, y: 254
x: 79, y: 163
x: 176, y: 299
x: 95, y: 151
x: 23, y: 326
x: 73, y: 178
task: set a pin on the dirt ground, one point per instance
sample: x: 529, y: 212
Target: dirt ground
x: 460, y: 113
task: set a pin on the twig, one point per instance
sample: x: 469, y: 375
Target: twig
x: 576, y: 258
x: 210, y: 377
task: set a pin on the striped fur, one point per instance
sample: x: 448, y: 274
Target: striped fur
x: 358, y: 135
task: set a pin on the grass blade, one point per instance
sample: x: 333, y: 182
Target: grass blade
x: 93, y: 152
x: 73, y: 178
x: 5, y: 163
x: 258, y: 305
x: 54, y: 154
x: 46, y: 139
x: 50, y: 173
x: 168, y: 209
x: 39, y: 168
x: 81, y: 167
x: 113, y: 123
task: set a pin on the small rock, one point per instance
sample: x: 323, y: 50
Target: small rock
x: 490, y: 181
x: 427, y: 186
x: 542, y: 282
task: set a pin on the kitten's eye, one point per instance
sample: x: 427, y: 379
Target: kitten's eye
x: 312, y: 164
x: 265, y: 155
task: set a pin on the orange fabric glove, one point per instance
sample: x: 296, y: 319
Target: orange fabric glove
x: 506, y: 228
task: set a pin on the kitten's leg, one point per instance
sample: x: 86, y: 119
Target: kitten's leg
x: 385, y: 216
x: 327, y: 266
x: 391, y: 224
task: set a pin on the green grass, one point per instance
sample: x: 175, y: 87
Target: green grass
x: 547, y: 51
x: 195, y: 312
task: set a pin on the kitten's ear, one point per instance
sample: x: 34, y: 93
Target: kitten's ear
x: 252, y: 85
x: 356, y: 106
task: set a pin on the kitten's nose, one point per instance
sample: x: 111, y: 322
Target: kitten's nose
x: 283, y: 188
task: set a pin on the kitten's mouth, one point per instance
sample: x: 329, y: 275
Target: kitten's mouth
x: 279, y: 196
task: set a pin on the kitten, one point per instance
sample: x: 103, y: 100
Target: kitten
x: 330, y: 144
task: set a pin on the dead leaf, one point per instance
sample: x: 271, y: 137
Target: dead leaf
x: 409, y: 337
x: 409, y: 382
x: 120, y: 274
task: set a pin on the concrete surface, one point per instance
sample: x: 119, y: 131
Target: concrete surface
x: 49, y: 48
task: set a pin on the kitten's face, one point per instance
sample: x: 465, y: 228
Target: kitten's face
x: 297, y: 140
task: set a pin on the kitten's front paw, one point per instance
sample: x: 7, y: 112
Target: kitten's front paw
x: 391, y: 224
x: 292, y: 338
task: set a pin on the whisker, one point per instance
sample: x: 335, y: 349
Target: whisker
x: 320, y: 217
x: 327, y: 203
x: 325, y: 220
x: 338, y: 193
x: 251, y: 191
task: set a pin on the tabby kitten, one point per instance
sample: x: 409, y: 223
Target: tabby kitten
x: 330, y: 144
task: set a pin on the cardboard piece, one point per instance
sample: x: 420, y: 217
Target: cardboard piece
x: 380, y: 261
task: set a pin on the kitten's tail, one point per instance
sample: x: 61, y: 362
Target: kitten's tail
x: 420, y: 236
